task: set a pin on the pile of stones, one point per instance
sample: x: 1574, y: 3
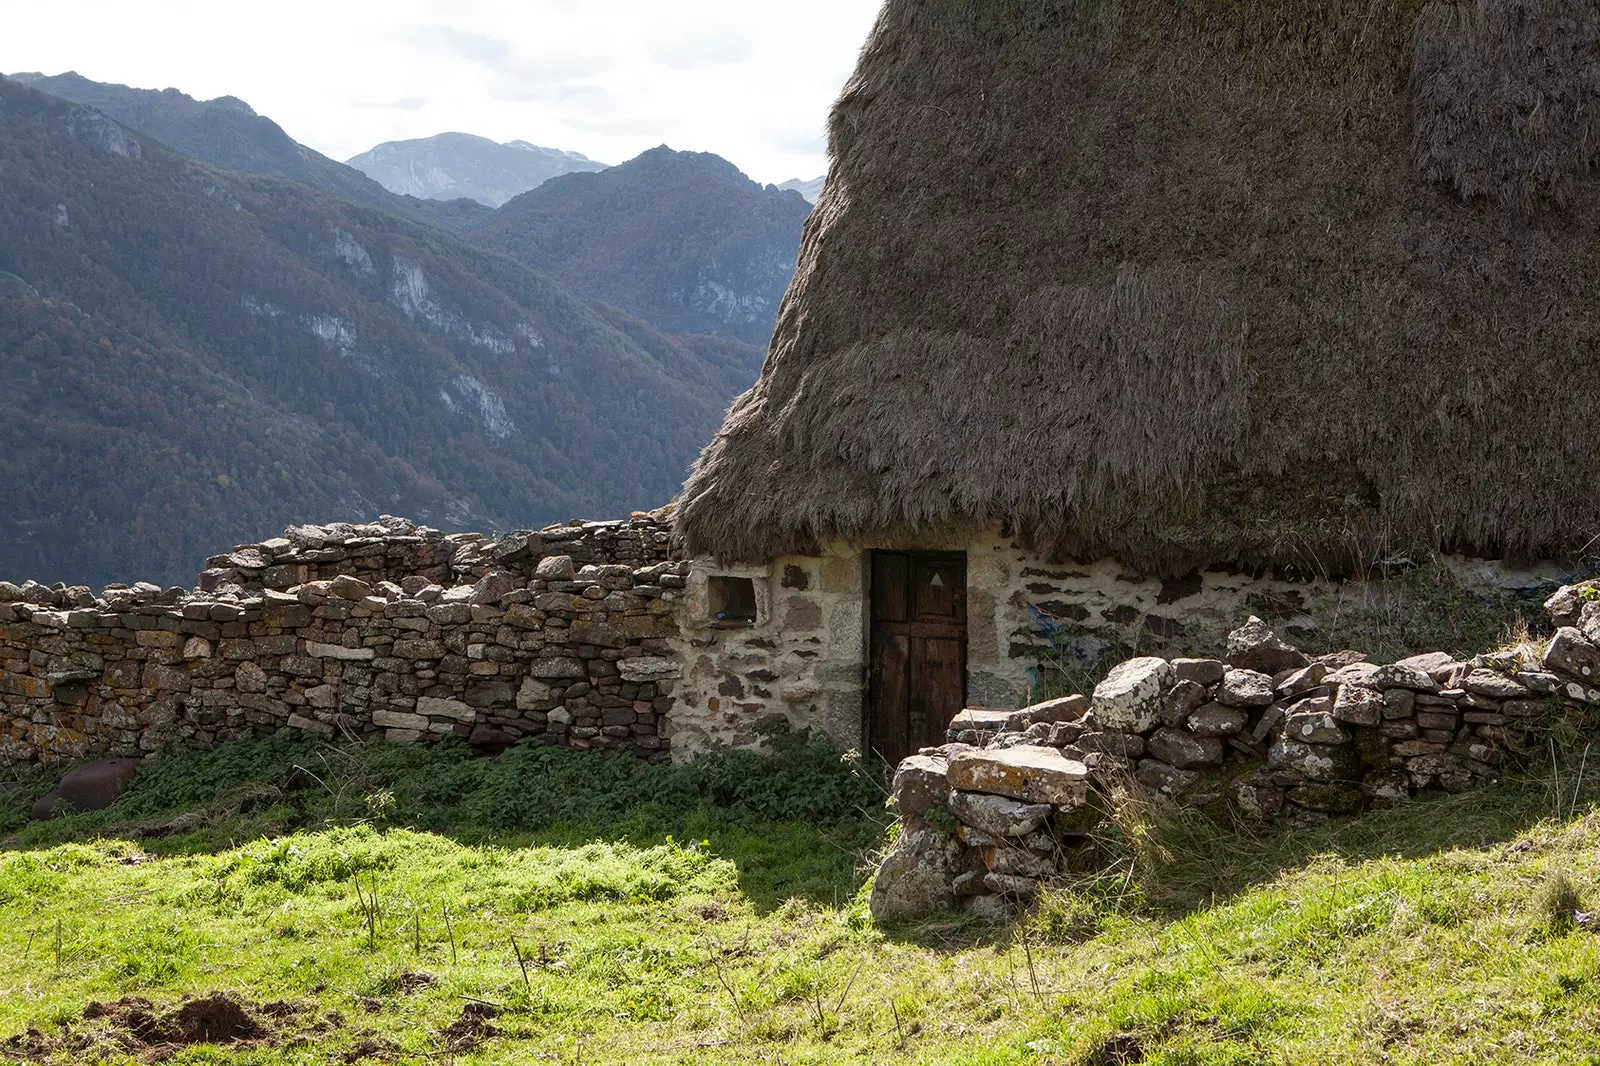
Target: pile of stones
x: 1267, y: 730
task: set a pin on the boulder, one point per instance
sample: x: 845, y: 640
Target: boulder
x: 1319, y: 762
x: 1360, y: 673
x: 1163, y: 777
x: 556, y: 568
x: 1245, y: 688
x: 1126, y: 745
x: 1301, y: 681
x: 1185, y: 750
x: 1589, y: 621
x: 918, y: 877
x: 1199, y: 671
x: 1360, y: 706
x: 490, y: 741
x: 1566, y: 606
x: 1254, y: 646
x: 1182, y: 700
x: 1314, y: 727
x: 1397, y: 675
x: 1030, y: 774
x: 1130, y: 698
x: 1436, y: 664
x: 920, y: 785
x: 1573, y: 655
x: 93, y: 786
x: 1495, y: 686
x: 1217, y: 720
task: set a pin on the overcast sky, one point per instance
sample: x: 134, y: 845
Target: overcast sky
x: 751, y: 80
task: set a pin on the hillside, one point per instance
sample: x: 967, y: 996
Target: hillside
x: 193, y: 357
x: 681, y: 239
x: 409, y: 904
x: 459, y: 165
x: 228, y: 133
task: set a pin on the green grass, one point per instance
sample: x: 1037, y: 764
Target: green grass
x: 674, y: 916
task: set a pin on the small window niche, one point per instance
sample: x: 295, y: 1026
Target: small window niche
x: 732, y: 602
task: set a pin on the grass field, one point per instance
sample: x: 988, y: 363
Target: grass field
x: 282, y: 903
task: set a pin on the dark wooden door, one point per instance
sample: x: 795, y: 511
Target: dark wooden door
x: 918, y: 677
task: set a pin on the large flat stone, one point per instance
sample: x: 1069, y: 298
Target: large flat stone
x: 984, y: 719
x: 336, y: 651
x: 1031, y: 774
x: 999, y: 816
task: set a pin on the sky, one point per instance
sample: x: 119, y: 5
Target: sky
x: 750, y: 80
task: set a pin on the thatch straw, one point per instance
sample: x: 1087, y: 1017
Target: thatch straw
x: 1174, y: 281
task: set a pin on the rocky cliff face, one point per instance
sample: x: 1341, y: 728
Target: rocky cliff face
x: 452, y: 166
x: 681, y: 239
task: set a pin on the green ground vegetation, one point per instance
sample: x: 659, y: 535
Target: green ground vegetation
x: 397, y: 904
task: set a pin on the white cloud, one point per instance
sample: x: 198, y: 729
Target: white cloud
x: 750, y: 80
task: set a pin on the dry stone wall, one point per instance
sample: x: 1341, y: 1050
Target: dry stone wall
x: 561, y: 635
x: 1006, y: 805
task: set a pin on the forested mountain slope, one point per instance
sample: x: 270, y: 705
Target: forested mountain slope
x: 682, y: 239
x: 191, y: 357
x: 227, y: 131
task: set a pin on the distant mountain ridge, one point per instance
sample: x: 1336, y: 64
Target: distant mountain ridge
x: 451, y: 166
x: 191, y: 356
x: 227, y: 132
x: 684, y: 240
x: 809, y: 189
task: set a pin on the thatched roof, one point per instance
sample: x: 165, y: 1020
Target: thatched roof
x: 1281, y: 282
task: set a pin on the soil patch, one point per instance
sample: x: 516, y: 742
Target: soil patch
x: 472, y: 1028
x: 134, y: 1024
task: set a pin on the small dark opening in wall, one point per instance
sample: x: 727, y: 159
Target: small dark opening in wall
x: 733, y: 601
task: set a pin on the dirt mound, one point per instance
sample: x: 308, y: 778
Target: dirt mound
x: 215, y: 1019
x: 472, y: 1028
x: 133, y: 1023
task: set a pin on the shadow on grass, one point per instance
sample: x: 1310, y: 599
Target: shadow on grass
x: 799, y: 822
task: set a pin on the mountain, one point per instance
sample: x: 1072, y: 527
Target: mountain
x: 191, y: 357
x: 456, y: 165
x: 809, y: 189
x: 228, y: 133
x: 681, y: 239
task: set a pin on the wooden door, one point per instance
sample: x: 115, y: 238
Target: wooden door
x: 918, y: 677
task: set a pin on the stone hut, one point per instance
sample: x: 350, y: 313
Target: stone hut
x: 1123, y: 313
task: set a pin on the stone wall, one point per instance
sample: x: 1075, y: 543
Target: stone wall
x: 542, y: 635
x: 1270, y: 732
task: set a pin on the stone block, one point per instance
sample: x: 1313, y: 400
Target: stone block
x: 649, y: 669
x: 1254, y: 646
x: 399, y: 720
x: 920, y: 784
x: 1359, y: 706
x: 1130, y: 698
x: 338, y: 651
x: 1203, y: 672
x: 440, y: 708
